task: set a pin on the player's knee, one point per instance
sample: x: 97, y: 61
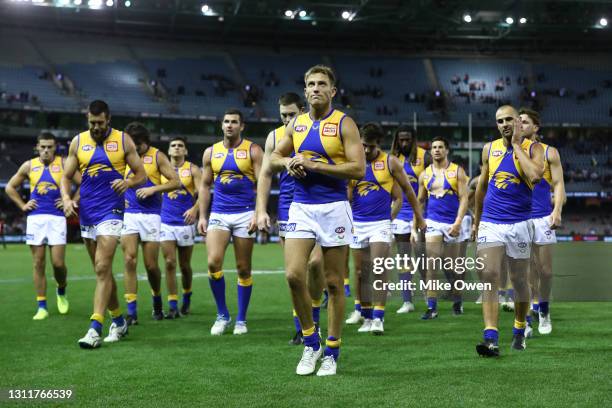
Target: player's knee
x: 335, y: 284
x: 294, y: 281
x: 214, y: 263
x: 130, y: 261
x: 243, y: 269
x: 151, y: 266
x: 39, y: 263
x: 102, y: 268
x: 170, y: 263
x: 58, y: 265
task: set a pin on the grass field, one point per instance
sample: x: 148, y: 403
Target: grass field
x: 416, y: 363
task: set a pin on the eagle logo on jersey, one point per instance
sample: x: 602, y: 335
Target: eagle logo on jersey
x: 173, y: 195
x: 314, y: 156
x: 364, y: 188
x: 503, y: 179
x: 44, y: 187
x: 228, y: 176
x: 94, y: 170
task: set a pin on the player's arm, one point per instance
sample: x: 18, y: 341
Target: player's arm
x: 556, y: 172
x: 353, y: 168
x: 420, y: 205
x: 256, y: 160
x: 139, y: 175
x: 165, y: 168
x: 462, y: 194
x: 401, y: 178
x: 204, y: 190
x: 397, y: 199
x: 264, y: 184
x: 533, y: 166
x: 191, y: 215
x: 472, y: 192
x: 279, y: 159
x: 71, y: 163
x: 481, y: 189
x: 14, y: 183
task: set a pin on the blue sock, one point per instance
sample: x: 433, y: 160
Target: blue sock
x: 97, y: 326
x: 378, y: 314
x: 406, y: 293
x: 529, y: 319
x: 332, y: 347
x: 432, y: 303
x: 131, y: 307
x: 245, y: 288
x: 42, y: 304
x: 535, y: 307
x: 544, y: 308
x: 296, y: 323
x: 316, y: 314
x: 367, y: 312
x: 312, y: 339
x: 187, y: 298
x: 61, y: 291
x: 358, y: 307
x: 510, y: 294
x: 491, y: 334
x: 173, y: 304
x: 119, y: 320
x: 157, y: 302
x: 218, y: 289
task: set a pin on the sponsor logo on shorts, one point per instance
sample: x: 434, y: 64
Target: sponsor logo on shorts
x: 147, y: 159
x: 522, y: 246
x: 300, y: 128
x: 379, y: 165
x: 87, y: 148
x: 218, y: 155
x: 355, y: 239
x: 496, y: 153
x: 112, y: 147
x: 340, y: 230
x: 330, y: 129
x: 185, y: 173
x: 290, y: 227
x: 55, y: 168
x: 241, y: 154
x: 30, y: 237
x: 186, y: 237
x: 482, y: 239
x: 214, y: 222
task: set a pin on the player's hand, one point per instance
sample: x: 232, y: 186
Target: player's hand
x: 554, y: 220
x: 144, y: 192
x: 421, y: 224
x: 474, y: 232
x: 295, y: 168
x: 59, y: 204
x: 414, y: 236
x: 454, y: 230
x: 252, y: 224
x: 202, y: 226
x: 119, y: 186
x: 70, y: 207
x: 190, y: 215
x: 517, y: 132
x: 263, y: 221
x: 29, y: 206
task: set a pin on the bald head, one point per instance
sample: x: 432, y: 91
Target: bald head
x: 505, y: 117
x: 507, y: 110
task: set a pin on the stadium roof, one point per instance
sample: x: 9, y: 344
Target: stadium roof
x: 416, y: 25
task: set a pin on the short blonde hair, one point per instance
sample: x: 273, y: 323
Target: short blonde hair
x: 321, y: 69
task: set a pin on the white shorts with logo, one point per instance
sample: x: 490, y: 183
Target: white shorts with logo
x: 282, y: 228
x: 147, y: 226
x: 46, y: 229
x: 237, y: 224
x: 435, y: 228
x: 330, y: 224
x: 184, y: 235
x: 542, y: 234
x: 515, y: 237
x: 401, y: 227
x: 371, y: 231
x: 466, y: 228
x: 109, y: 227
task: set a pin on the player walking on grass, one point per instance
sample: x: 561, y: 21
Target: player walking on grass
x: 290, y: 105
x: 546, y: 217
x: 371, y: 200
x: 46, y: 223
x: 101, y: 155
x: 511, y: 166
x: 443, y: 185
x: 232, y: 165
x: 142, y: 220
x: 327, y: 153
x: 178, y: 216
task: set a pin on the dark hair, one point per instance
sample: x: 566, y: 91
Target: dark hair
x: 533, y: 115
x: 371, y: 132
x: 441, y: 139
x: 322, y: 69
x: 395, y: 143
x: 233, y: 111
x: 138, y: 132
x: 98, y: 107
x: 46, y: 136
x: 290, y: 98
x: 179, y: 138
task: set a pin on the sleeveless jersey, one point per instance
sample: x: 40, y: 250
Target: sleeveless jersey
x: 413, y: 170
x: 509, y: 193
x: 372, y: 194
x: 175, y: 203
x: 151, y: 204
x: 100, y: 164
x: 286, y: 183
x: 542, y: 204
x: 320, y: 140
x: 45, y: 185
x: 443, y: 207
x: 234, y: 178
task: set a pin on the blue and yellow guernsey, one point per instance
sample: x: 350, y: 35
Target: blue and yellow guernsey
x: 175, y: 203
x: 44, y: 185
x: 320, y: 140
x: 100, y: 165
x: 542, y: 198
x: 509, y: 193
x: 413, y: 170
x: 151, y: 204
x: 234, y: 178
x: 286, y: 183
x: 442, y: 207
x: 372, y: 194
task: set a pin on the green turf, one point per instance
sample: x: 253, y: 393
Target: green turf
x: 416, y: 363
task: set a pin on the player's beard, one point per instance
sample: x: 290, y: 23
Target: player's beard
x: 406, y: 150
x: 98, y: 134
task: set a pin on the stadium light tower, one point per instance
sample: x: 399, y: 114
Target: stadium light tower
x: 523, y: 20
x: 603, y: 22
x: 205, y: 9
x: 110, y: 3
x: 467, y: 18
x: 509, y: 20
x: 77, y: 2
x: 128, y: 3
x: 302, y: 13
